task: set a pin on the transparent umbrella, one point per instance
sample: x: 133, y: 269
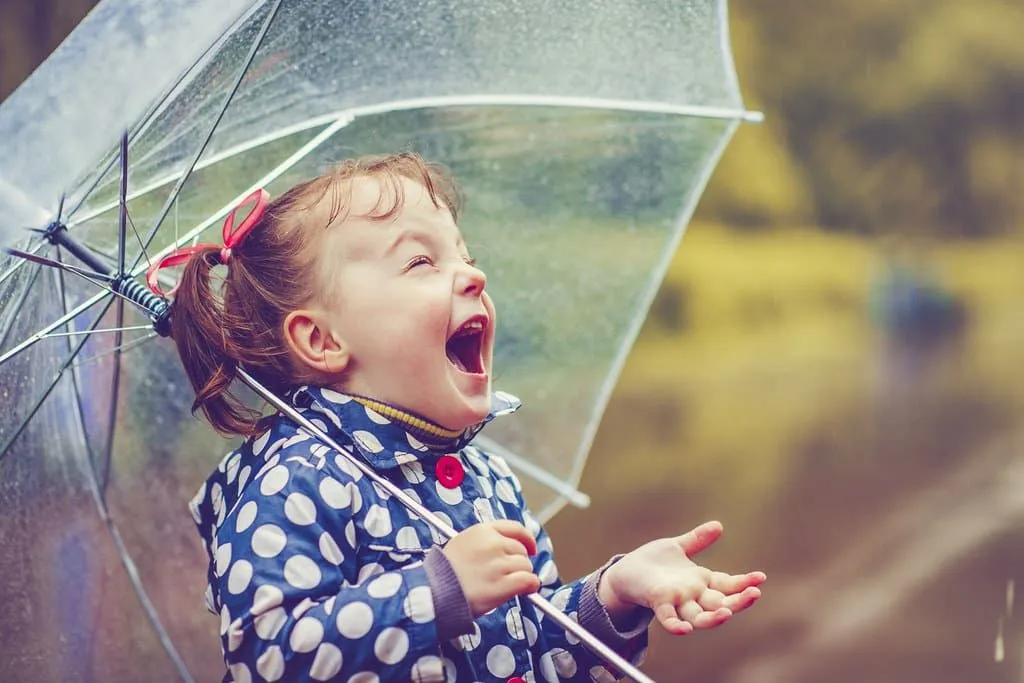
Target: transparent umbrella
x: 583, y: 133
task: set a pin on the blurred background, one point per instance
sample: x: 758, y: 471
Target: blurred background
x: 833, y: 367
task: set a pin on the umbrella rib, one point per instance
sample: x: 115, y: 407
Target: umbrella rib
x: 117, y: 349
x: 98, y: 497
x: 538, y: 474
x: 106, y: 329
x: 35, y: 249
x: 22, y: 298
x: 257, y: 41
x: 71, y: 315
x: 696, y: 111
x: 115, y: 383
x: 53, y: 383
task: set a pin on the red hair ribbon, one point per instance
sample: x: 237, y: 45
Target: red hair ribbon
x: 232, y: 238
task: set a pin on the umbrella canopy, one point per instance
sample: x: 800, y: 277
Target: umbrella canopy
x: 583, y: 133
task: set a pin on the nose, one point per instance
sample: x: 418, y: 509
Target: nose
x: 471, y: 280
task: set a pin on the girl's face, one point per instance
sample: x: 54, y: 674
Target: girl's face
x: 408, y: 305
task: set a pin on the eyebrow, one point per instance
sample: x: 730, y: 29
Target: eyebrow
x: 412, y: 234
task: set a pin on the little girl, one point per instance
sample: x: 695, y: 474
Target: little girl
x: 353, y: 296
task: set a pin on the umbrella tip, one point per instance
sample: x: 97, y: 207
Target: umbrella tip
x: 753, y: 116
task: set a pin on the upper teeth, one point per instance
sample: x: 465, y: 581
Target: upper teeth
x: 472, y: 325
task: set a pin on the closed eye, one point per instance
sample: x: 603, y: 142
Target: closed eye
x: 417, y: 261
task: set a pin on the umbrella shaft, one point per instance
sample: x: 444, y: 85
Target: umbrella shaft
x: 599, y: 647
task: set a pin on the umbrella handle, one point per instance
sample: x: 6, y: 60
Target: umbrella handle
x: 609, y: 655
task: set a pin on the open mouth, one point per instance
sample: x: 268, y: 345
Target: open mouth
x: 465, y: 347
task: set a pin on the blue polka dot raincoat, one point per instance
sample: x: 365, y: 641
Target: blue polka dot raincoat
x: 318, y: 574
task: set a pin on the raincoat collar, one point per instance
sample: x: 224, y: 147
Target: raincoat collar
x: 385, y: 442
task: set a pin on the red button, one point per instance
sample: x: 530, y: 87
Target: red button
x: 449, y: 471
x: 516, y: 679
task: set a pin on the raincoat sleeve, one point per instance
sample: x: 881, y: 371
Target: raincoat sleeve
x: 565, y: 655
x: 294, y: 605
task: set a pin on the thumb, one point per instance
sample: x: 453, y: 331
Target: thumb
x: 699, y: 538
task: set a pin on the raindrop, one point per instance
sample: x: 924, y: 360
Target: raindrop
x: 1009, y: 598
x: 999, y: 653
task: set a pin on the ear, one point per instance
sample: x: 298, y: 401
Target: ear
x: 313, y: 343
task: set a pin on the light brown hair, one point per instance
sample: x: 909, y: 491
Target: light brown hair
x: 240, y: 324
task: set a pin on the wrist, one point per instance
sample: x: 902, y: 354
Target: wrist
x: 609, y: 596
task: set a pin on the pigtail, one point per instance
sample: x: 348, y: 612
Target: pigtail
x: 199, y: 329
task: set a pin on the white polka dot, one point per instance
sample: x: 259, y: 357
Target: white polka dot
x: 261, y: 442
x: 243, y: 478
x: 367, y: 441
x: 486, y: 489
x: 240, y: 576
x: 565, y: 663
x: 334, y: 396
x: 232, y: 468
x: 355, y: 620
x: 235, y: 635
x: 408, y: 539
x: 436, y: 535
x: 599, y: 674
x: 531, y: 632
x: 346, y: 466
x: 330, y: 550
x: 225, y: 619
x: 505, y: 491
x: 193, y: 507
x: 350, y: 533
x: 569, y: 637
x: 334, y: 493
x: 270, y: 665
x: 329, y: 606
x: 268, y: 625
x: 302, y: 572
x: 246, y: 516
x: 367, y: 570
x: 221, y: 514
x: 547, y: 668
x: 381, y: 492
x: 403, y: 458
x: 274, y: 480
x: 377, y: 521
x: 307, y: 635
x: 500, y: 661
x: 514, y: 623
x: 216, y: 496
x: 302, y: 607
x: 548, y: 573
x: 299, y: 509
x: 419, y: 605
x: 267, y: 597
x: 413, y: 472
x: 364, y: 677
x: 268, y: 540
x: 326, y: 664
x: 385, y: 586
x: 561, y: 598
x: 427, y: 669
x: 357, y: 500
x: 223, y: 559
x: 391, y: 645
x: 449, y: 496
x: 484, y: 511
x: 471, y: 641
x: 499, y: 466
x: 375, y: 416
x: 240, y: 673
x: 416, y: 444
x: 449, y: 670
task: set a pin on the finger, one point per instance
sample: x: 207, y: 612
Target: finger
x: 666, y: 615
x: 689, y: 611
x: 735, y: 583
x: 516, y: 563
x: 516, y: 532
x: 741, y: 601
x: 712, y: 619
x: 699, y: 538
x: 521, y: 583
x: 711, y: 600
x: 513, y: 547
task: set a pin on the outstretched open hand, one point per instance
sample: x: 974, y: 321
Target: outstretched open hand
x: 662, y: 576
